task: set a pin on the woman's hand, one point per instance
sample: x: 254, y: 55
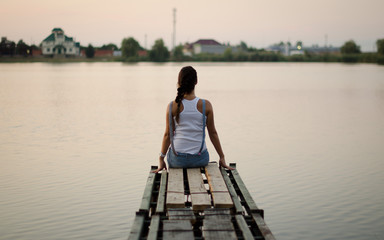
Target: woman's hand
x: 162, y: 165
x: 223, y: 164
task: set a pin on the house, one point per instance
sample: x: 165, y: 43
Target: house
x: 208, y: 46
x: 58, y: 44
x: 299, y: 49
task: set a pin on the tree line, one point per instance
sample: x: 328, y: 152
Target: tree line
x: 10, y: 48
x: 349, y: 52
x: 130, y: 48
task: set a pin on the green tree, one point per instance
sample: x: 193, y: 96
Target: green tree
x: 90, y: 51
x: 243, y: 46
x: 22, y: 48
x: 380, y: 46
x: 228, y: 55
x: 130, y: 48
x: 109, y: 46
x: 159, y: 52
x: 350, y: 47
x: 7, y: 47
x: 178, y: 54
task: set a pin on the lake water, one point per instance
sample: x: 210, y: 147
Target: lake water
x: 77, y: 141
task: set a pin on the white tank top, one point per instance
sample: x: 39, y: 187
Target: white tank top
x: 189, y: 131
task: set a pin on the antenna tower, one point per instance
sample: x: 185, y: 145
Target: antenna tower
x: 174, y: 29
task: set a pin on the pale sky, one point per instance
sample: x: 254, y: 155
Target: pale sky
x: 259, y: 23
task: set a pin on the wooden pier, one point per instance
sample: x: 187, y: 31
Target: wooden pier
x: 199, y: 203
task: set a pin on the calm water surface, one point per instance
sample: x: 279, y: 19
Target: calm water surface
x: 77, y: 142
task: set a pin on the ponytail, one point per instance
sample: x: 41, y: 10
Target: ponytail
x: 187, y: 81
x: 179, y: 98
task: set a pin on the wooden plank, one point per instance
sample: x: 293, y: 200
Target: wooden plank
x: 147, y: 196
x: 232, y: 191
x: 181, y: 214
x: 217, y: 214
x: 219, y: 190
x: 264, y: 229
x: 175, y: 190
x: 243, y: 226
x: 243, y: 189
x: 162, y: 190
x: 217, y: 211
x: 199, y: 195
x: 218, y: 229
x: 154, y: 227
x: 177, y: 229
x: 137, y: 226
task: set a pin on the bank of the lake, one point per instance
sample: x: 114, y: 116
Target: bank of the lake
x: 258, y: 56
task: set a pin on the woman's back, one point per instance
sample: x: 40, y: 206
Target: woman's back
x: 189, y: 130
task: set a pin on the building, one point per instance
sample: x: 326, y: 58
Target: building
x: 299, y: 49
x: 207, y: 46
x: 58, y: 44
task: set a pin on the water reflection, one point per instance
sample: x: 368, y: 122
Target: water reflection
x: 78, y: 141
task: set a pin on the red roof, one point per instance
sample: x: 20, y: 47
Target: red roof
x: 206, y: 42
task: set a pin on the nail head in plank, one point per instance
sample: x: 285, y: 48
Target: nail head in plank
x: 199, y: 195
x: 175, y: 189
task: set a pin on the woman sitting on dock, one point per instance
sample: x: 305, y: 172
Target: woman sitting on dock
x: 186, y: 118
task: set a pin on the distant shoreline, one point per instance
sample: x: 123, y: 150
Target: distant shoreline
x: 350, y: 58
x: 21, y: 59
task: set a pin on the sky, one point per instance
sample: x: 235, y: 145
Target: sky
x: 259, y: 23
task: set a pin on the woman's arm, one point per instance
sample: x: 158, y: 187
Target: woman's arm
x: 214, y: 136
x: 164, y: 145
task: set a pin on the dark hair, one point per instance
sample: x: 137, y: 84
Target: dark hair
x: 187, y: 81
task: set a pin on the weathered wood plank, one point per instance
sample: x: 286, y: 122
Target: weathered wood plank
x: 137, y: 226
x: 247, y: 234
x: 162, y: 190
x: 217, y: 214
x: 232, y: 192
x: 217, y: 229
x: 220, y: 195
x: 175, y: 192
x: 181, y: 214
x: 217, y: 211
x: 147, y: 196
x: 154, y: 227
x: 177, y: 229
x: 264, y: 229
x: 243, y: 189
x: 199, y: 195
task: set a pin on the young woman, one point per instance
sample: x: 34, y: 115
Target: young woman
x: 186, y: 119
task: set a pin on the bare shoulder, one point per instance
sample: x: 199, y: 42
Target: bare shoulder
x: 174, y: 107
x: 208, y: 105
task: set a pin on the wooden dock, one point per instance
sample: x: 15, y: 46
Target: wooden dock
x: 209, y: 203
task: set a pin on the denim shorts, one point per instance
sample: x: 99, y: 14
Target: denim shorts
x: 185, y: 160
